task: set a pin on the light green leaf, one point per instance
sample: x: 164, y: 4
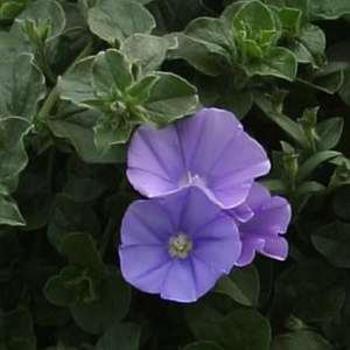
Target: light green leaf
x: 279, y: 62
x: 171, y: 97
x: 242, y: 285
x: 303, y: 339
x: 111, y: 74
x: 115, y: 20
x: 147, y: 51
x: 140, y: 91
x: 112, y: 130
x: 121, y: 336
x: 290, y: 19
x: 254, y: 14
x: 9, y: 212
x: 254, y: 24
x: 47, y: 15
x: 112, y: 305
x: 9, y: 9
x: 22, y: 86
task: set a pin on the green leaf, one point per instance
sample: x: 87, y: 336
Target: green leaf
x: 9, y: 212
x: 207, y: 44
x: 309, y: 46
x: 307, y: 168
x: 121, y: 336
x: 17, y: 331
x: 12, y: 151
x: 76, y: 125
x: 111, y: 74
x: 81, y: 250
x: 329, y: 132
x: 204, y: 58
x: 115, y: 20
x: 67, y: 217
x: 76, y: 85
x: 303, y: 339
x: 147, y: 51
x: 279, y: 62
x: 328, y: 10
x: 72, y: 285
x: 242, y: 285
x: 112, y: 305
x: 214, y: 33
x: 344, y: 91
x: 46, y: 15
x: 10, y: 47
x: 272, y: 110
x: 311, y: 290
x: 333, y: 241
x: 171, y: 97
x: 22, y: 86
x: 202, y: 345
x: 341, y: 203
x: 329, y: 79
x: 241, y: 329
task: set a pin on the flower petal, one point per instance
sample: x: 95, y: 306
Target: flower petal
x: 276, y: 248
x: 249, y: 247
x: 205, y: 276
x: 146, y: 222
x: 145, y: 267
x: 218, y: 244
x: 155, y: 163
x: 242, y: 213
x: 179, y: 284
x: 218, y: 151
x: 271, y: 218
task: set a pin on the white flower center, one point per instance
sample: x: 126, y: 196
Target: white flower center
x: 180, y: 245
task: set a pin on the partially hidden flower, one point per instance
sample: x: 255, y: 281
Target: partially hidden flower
x: 177, y: 246
x: 262, y: 220
x: 209, y: 150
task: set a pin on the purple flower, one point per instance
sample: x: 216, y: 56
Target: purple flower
x: 261, y: 220
x: 209, y: 150
x: 177, y: 246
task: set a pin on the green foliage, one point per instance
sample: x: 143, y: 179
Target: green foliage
x: 76, y: 79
